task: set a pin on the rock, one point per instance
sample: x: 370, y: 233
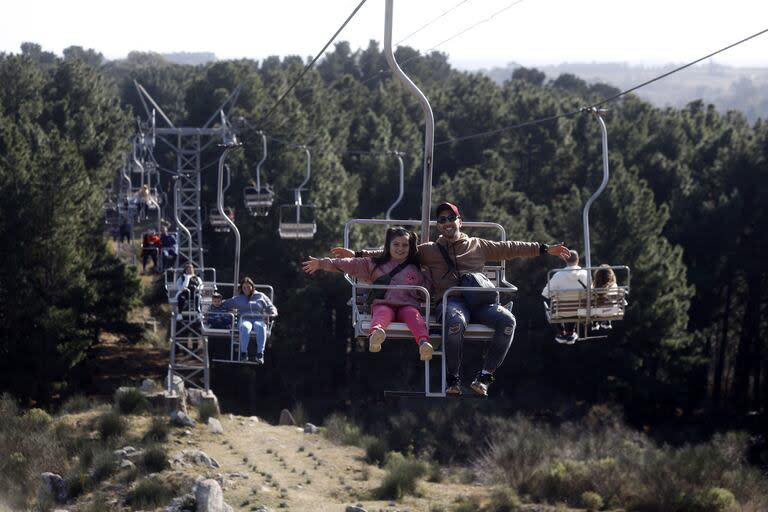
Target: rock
x: 310, y: 428
x: 262, y: 508
x: 54, y: 486
x: 209, y: 498
x: 148, y: 386
x: 127, y: 464
x: 286, y: 418
x: 198, y: 457
x: 176, y: 385
x: 214, y: 426
x: 181, y: 419
x: 254, y: 419
x: 355, y: 508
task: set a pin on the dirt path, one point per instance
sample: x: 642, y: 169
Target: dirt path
x: 290, y: 470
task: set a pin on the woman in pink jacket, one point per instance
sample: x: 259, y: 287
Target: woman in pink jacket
x: 398, y: 260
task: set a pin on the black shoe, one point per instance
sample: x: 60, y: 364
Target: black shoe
x: 243, y: 357
x: 453, y: 385
x: 257, y: 358
x: 481, y: 383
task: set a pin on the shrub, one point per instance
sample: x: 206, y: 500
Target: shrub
x: 714, y: 499
x: 148, y: 494
x: 299, y: 414
x: 207, y: 409
x: 36, y: 420
x: 78, y: 483
x: 75, y: 404
x: 155, y: 460
x: 158, y: 430
x: 402, y: 476
x: 104, y: 466
x: 376, y: 449
x: 591, y: 501
x: 342, y: 431
x: 111, y: 425
x: 131, y: 401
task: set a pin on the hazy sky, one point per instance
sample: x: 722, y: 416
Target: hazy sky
x: 530, y: 32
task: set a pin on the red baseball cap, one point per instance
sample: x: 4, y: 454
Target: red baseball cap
x: 447, y: 206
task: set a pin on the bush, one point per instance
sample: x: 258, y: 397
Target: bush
x: 111, y: 425
x: 715, y: 499
x: 376, y: 449
x: 78, y: 483
x: 36, y: 420
x: 131, y: 401
x: 207, y: 409
x: 29, y: 447
x: 342, y: 431
x: 75, y: 404
x: 155, y: 460
x: 158, y: 430
x: 591, y: 501
x: 148, y: 494
x: 104, y: 466
x: 299, y: 414
x: 402, y: 476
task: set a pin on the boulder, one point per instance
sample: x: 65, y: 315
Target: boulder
x: 127, y: 464
x: 175, y: 384
x: 309, y: 428
x: 209, y: 498
x: 148, y: 386
x: 214, y: 426
x: 181, y: 419
x: 355, y: 508
x: 198, y: 457
x: 286, y: 418
x: 54, y: 486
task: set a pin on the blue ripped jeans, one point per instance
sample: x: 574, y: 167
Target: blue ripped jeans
x: 458, y: 314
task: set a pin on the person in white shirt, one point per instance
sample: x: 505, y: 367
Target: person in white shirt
x: 572, y: 277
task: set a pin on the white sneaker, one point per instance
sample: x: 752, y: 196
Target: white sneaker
x: 566, y: 339
x: 425, y: 350
x: 375, y: 339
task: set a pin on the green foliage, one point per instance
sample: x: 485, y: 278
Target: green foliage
x: 30, y: 447
x: 155, y: 460
x: 158, y: 430
x: 403, y: 474
x: 591, y: 501
x: 131, y: 401
x: 76, y: 403
x: 103, y: 466
x: 111, y: 425
x: 342, y: 431
x: 376, y: 449
x: 148, y: 493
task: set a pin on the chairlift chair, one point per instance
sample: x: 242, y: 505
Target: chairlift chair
x: 361, y: 315
x: 258, y: 198
x: 590, y: 306
x: 297, y: 220
x: 218, y: 221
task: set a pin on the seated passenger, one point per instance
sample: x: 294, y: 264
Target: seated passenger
x: 572, y: 277
x: 188, y: 285
x: 125, y: 230
x: 218, y: 317
x: 150, y: 247
x: 168, y: 245
x: 253, y: 309
x: 603, y: 282
x: 396, y: 266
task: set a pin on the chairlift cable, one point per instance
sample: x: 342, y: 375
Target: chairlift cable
x: 602, y: 102
x: 311, y: 63
x: 429, y: 23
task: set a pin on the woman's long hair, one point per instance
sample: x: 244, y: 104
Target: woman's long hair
x: 247, y: 280
x: 392, y: 233
x: 604, y: 277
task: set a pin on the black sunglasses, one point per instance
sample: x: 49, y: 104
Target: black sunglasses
x: 442, y: 219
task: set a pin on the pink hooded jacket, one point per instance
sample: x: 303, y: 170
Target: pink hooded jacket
x: 366, y: 270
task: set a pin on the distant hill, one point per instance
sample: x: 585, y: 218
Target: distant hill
x: 190, y: 58
x: 728, y: 88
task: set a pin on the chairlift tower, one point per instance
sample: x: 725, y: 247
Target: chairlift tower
x: 189, y: 353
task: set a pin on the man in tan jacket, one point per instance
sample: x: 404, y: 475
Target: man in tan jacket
x: 468, y: 254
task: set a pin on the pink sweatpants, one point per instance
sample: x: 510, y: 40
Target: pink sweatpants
x: 382, y: 315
